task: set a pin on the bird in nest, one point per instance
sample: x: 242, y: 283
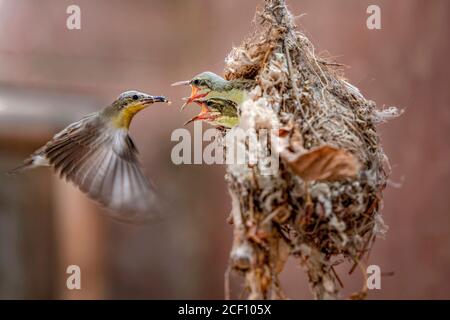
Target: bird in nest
x: 217, y: 112
x: 227, y: 95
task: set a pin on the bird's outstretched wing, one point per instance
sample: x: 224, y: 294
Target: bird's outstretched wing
x: 102, y: 162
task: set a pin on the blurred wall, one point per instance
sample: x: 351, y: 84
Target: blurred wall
x: 146, y: 45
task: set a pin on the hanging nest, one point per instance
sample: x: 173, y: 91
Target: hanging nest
x: 322, y: 205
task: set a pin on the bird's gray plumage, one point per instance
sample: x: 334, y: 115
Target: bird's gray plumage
x: 102, y: 162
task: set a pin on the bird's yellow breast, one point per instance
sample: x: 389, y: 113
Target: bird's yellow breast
x: 124, y: 117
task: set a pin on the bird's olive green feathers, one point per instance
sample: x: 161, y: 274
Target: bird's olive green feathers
x: 97, y: 155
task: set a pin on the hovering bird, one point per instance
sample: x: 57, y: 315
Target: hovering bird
x: 210, y: 85
x: 218, y: 112
x: 99, y: 157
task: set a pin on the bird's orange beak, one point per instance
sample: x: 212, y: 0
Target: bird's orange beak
x: 194, y: 95
x: 203, y: 112
x: 194, y: 92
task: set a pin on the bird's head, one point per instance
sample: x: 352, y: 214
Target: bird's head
x: 202, y: 84
x: 216, y: 111
x: 208, y: 111
x: 127, y: 104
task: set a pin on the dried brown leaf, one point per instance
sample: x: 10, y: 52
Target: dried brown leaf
x: 323, y: 163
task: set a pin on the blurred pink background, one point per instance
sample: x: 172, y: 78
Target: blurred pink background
x: 51, y: 76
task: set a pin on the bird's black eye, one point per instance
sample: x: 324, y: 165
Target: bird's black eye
x: 135, y: 97
x: 196, y: 82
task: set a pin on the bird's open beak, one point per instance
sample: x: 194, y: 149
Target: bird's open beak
x: 203, y: 112
x: 194, y: 95
x: 194, y: 92
x: 152, y: 99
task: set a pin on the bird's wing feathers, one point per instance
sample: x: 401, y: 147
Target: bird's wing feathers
x: 103, y: 163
